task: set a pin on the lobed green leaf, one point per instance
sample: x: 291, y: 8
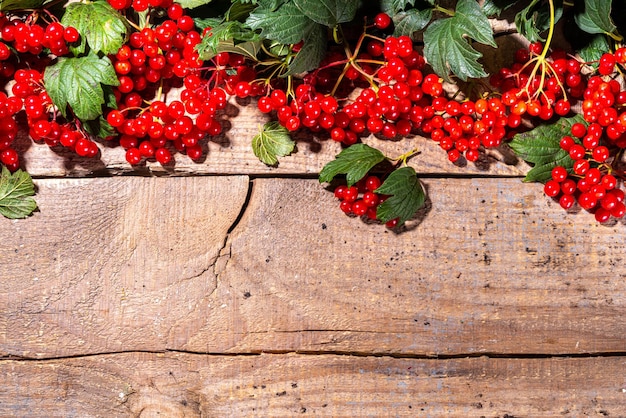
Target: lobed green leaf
x: 287, y: 24
x: 446, y: 47
x: 540, y: 147
x: 392, y: 7
x: 16, y: 190
x: 78, y: 82
x: 100, y: 26
x: 406, y: 196
x: 354, y: 161
x: 593, y: 51
x: 272, y: 142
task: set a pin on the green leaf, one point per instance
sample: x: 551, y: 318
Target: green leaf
x: 7, y: 5
x: 354, y: 161
x: 77, y: 82
x: 311, y: 53
x: 541, y: 148
x: 239, y: 10
x: 99, y: 128
x: 495, y: 7
x: 535, y: 18
x: 446, y: 47
x: 407, y: 196
x: 192, y: 4
x: 225, y: 37
x: 592, y: 52
x: 273, y: 141
x: 15, y: 192
x: 328, y: 12
x: 413, y: 20
x: 287, y: 24
x: 99, y: 25
x: 392, y: 7
x: 596, y: 18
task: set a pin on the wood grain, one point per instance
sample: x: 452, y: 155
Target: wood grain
x: 183, y: 385
x: 231, y: 153
x: 109, y: 264
x: 126, y: 264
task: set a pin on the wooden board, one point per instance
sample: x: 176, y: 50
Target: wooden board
x: 188, y: 385
x: 489, y: 266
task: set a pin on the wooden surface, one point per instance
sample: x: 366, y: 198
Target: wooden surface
x: 180, y: 292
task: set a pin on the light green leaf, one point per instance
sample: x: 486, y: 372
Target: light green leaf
x: 100, y: 26
x: 287, y: 24
x: 540, y: 147
x: 407, y: 196
x: 596, y: 18
x: 192, y: 4
x: 15, y: 194
x: 77, y: 82
x: 272, y: 142
x: 328, y: 12
x: 354, y: 161
x: 411, y: 21
x: 446, y: 47
x: 311, y: 53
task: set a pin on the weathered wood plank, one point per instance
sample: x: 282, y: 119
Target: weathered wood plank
x: 231, y: 153
x: 181, y: 385
x: 111, y: 261
x: 489, y: 266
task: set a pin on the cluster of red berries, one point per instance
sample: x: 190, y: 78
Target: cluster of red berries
x: 32, y: 38
x: 166, y: 56
x: 362, y: 200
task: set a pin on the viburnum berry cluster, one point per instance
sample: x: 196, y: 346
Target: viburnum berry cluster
x: 156, y: 77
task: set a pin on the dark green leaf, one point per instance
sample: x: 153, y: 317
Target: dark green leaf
x: 8, y: 5
x: 207, y: 22
x: 328, y: 12
x: 413, y: 20
x: 407, y: 196
x: 272, y: 142
x: 287, y: 24
x: 541, y: 148
x: 77, y: 82
x: 535, y: 18
x: 392, y: 7
x: 592, y: 52
x: 596, y: 18
x: 239, y: 11
x: 99, y: 128
x: 354, y: 161
x: 191, y: 4
x: 495, y: 7
x: 15, y: 194
x: 312, y: 51
x: 226, y: 35
x: 446, y: 47
x: 99, y: 25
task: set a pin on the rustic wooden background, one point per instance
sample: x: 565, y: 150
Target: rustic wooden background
x: 228, y: 288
